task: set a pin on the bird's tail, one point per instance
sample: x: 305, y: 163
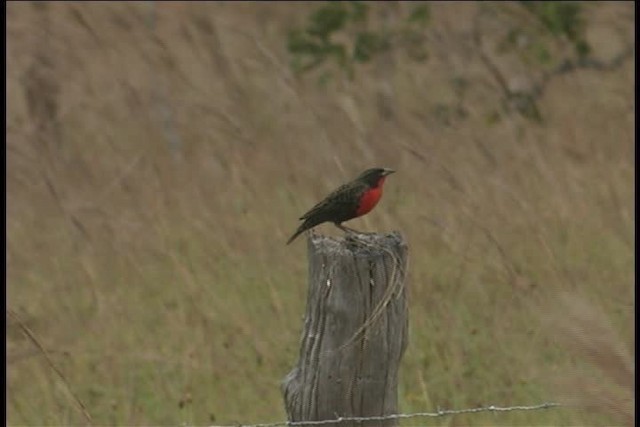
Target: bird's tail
x: 307, y: 224
x: 299, y: 231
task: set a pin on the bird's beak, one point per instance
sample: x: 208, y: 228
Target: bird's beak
x: 388, y: 171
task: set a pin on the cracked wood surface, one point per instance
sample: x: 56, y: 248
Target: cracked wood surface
x: 355, y: 330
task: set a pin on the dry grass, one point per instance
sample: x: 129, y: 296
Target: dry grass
x: 157, y: 279
x: 602, y: 378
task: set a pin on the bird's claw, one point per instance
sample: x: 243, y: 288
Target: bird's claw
x: 357, y: 237
x: 353, y: 232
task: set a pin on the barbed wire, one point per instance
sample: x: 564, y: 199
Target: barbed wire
x: 438, y: 413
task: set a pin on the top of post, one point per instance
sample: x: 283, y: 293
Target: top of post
x: 357, y: 244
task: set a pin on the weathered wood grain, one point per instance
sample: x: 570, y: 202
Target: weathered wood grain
x: 355, y: 330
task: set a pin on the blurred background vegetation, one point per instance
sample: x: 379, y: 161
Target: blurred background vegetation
x: 160, y: 153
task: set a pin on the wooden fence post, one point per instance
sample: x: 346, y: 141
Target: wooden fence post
x: 355, y: 331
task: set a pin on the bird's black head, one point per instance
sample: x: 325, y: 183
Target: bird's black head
x: 373, y: 176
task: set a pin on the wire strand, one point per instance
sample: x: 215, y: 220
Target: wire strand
x: 438, y: 413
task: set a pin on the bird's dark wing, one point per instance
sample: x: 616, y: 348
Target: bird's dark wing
x: 340, y: 205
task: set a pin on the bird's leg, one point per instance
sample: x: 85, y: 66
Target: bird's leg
x: 354, y: 235
x: 345, y: 229
x: 350, y: 230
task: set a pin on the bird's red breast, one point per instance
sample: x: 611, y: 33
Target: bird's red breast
x: 370, y: 198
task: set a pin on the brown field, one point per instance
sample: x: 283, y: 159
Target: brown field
x: 159, y: 155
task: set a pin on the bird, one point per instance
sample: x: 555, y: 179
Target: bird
x: 351, y: 200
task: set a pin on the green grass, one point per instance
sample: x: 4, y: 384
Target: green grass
x: 161, y: 286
